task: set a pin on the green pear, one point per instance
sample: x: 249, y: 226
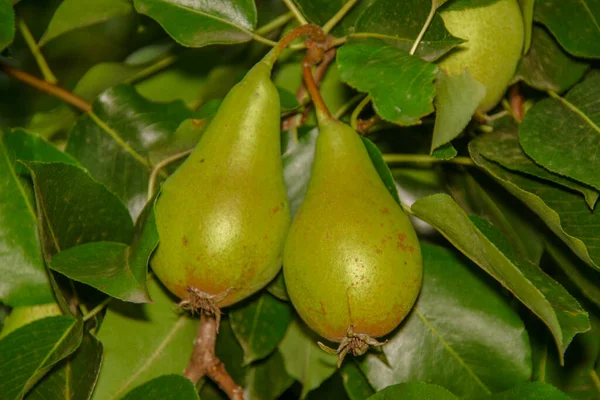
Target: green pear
x: 494, y: 37
x: 352, y: 258
x: 23, y: 315
x: 222, y: 217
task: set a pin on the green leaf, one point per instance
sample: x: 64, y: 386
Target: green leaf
x: 563, y: 211
x: 445, y: 152
x: 401, y: 85
x: 259, y: 325
x: 277, y: 287
x: 28, y: 353
x: 527, y: 11
x: 400, y: 26
x: 547, y: 67
x: 502, y: 147
x: 267, y: 380
x: 382, y: 169
x: 73, y: 14
x: 7, y: 24
x: 542, y: 133
x: 355, y: 382
x: 76, y: 209
x: 457, y: 98
x: 462, y: 334
x: 166, y: 387
x: 530, y: 390
x: 288, y: 100
x: 24, y: 277
x: 486, y: 246
x: 574, y: 24
x: 116, y: 269
x: 142, y: 342
x: 75, y: 376
x: 197, y: 24
x: 303, y: 358
x: 413, y: 391
x: 297, y: 162
x: 113, y: 141
x: 580, y: 275
x: 319, y: 12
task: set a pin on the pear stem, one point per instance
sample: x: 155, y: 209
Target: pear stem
x: 316, y: 35
x: 320, y: 106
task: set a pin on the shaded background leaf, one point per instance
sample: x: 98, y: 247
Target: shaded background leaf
x: 166, y: 387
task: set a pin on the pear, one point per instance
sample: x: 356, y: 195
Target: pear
x: 352, y: 262
x: 223, y: 216
x: 23, y: 315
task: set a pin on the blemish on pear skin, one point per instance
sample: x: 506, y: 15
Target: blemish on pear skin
x: 378, y: 250
x: 385, y: 211
x: 402, y: 237
x: 184, y: 241
x: 275, y: 209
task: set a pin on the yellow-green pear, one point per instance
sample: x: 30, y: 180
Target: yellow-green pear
x: 223, y: 216
x: 494, y: 37
x: 352, y: 258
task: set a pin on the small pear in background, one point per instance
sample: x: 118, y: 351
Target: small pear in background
x: 222, y: 217
x: 352, y: 261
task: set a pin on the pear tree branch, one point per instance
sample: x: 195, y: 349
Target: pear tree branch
x: 204, y: 361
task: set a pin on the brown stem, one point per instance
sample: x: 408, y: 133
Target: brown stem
x: 301, y: 94
x: 364, y: 125
x: 315, y: 34
x: 46, y: 87
x: 204, y: 361
x: 309, y: 81
x: 516, y: 102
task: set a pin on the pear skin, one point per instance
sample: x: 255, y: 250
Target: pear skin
x: 352, y: 256
x: 223, y: 216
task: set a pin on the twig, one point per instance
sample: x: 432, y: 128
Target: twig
x: 37, y: 54
x: 274, y: 24
x: 204, y: 361
x: 357, y: 111
x: 422, y: 158
x: 47, y: 87
x: 292, y: 7
x: 329, y: 25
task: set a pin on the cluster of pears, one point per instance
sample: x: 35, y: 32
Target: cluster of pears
x: 351, y: 258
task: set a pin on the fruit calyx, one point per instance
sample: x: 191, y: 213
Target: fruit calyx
x: 200, y: 302
x: 355, y: 343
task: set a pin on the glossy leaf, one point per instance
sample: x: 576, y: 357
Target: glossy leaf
x: 401, y: 85
x: 565, y: 212
x: 531, y: 390
x: 485, y: 245
x: 142, y: 342
x: 277, y: 287
x: 166, y: 387
x: 461, y: 322
x: 197, y: 24
x: 503, y: 148
x: 76, y: 209
x: 303, y: 358
x: 75, y: 376
x: 542, y: 133
x: 73, y: 14
x: 297, y: 163
x: 7, y: 24
x: 28, y: 353
x: 400, y: 26
x: 113, y: 142
x: 413, y: 391
x: 547, y: 67
x: 573, y: 23
x: 116, y: 269
x: 319, y: 12
x: 259, y: 325
x: 24, y: 277
x: 457, y: 98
